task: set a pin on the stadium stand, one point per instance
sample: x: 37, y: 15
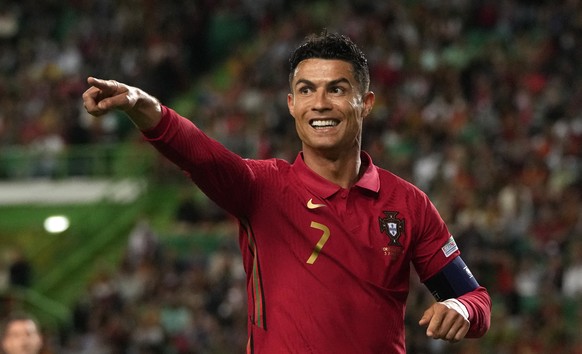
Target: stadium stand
x: 478, y: 103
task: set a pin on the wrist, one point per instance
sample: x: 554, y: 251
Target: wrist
x: 457, y: 306
x: 147, y: 111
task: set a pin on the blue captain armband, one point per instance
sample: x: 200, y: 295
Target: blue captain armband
x: 454, y: 280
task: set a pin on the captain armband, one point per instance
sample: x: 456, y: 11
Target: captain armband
x: 454, y: 280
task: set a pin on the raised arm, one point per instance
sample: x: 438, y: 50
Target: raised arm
x: 103, y: 96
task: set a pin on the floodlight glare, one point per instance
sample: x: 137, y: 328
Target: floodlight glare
x: 56, y: 224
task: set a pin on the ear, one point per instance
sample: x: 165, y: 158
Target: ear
x: 368, y: 101
x: 291, y: 104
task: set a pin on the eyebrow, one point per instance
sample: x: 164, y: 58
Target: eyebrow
x: 331, y: 83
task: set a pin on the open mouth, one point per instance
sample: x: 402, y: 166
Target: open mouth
x: 324, y: 123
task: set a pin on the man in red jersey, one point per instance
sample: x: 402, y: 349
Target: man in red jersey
x: 328, y: 240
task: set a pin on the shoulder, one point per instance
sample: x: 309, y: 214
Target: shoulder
x: 394, y: 184
x: 268, y: 167
x: 272, y: 163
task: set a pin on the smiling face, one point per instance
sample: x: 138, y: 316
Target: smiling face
x: 328, y: 106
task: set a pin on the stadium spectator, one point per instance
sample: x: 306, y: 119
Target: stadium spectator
x: 572, y: 282
x: 21, y: 335
x: 20, y: 269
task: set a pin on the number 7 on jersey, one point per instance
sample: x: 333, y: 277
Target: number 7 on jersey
x: 322, y: 241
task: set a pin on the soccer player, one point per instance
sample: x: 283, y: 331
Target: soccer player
x: 21, y: 335
x: 328, y: 240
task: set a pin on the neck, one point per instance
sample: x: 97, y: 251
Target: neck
x: 342, y: 169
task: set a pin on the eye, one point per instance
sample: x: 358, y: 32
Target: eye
x: 305, y: 90
x: 337, y: 90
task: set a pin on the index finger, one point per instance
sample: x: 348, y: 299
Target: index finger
x: 107, y: 86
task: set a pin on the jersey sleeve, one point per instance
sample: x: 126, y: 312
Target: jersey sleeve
x: 434, y: 246
x: 222, y: 175
x: 478, y: 304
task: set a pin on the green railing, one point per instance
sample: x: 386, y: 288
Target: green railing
x: 95, y: 160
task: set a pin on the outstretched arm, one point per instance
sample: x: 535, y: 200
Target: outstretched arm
x: 103, y: 96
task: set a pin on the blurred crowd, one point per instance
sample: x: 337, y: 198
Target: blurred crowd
x: 477, y: 102
x: 163, y: 299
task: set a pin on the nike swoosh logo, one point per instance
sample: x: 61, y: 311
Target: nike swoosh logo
x: 312, y: 205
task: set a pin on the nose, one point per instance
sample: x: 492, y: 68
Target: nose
x: 321, y: 101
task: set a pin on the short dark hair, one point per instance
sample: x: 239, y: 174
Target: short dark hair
x: 332, y: 46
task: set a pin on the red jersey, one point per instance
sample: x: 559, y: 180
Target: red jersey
x: 327, y: 268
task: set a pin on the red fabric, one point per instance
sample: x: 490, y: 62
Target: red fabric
x: 351, y: 298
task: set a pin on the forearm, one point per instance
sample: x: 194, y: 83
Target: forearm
x: 221, y: 174
x: 146, y: 113
x: 478, y: 304
x: 455, y: 281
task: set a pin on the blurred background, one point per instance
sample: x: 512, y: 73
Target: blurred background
x: 114, y: 250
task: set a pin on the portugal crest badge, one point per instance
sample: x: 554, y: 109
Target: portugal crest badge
x: 393, y: 228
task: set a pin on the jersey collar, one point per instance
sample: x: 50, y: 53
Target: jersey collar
x: 370, y: 180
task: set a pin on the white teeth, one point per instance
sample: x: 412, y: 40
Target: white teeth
x: 324, y: 123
